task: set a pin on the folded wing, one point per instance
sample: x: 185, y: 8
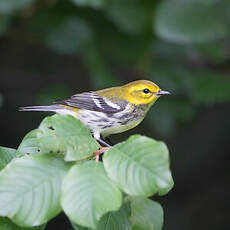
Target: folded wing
x: 94, y: 102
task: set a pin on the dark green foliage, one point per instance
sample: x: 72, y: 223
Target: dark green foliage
x: 182, y: 45
x: 188, y: 35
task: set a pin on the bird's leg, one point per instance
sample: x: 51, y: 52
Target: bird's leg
x: 97, y: 136
x: 103, y: 142
x: 99, y: 152
x: 103, y: 148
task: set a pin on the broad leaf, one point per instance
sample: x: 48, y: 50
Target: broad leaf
x: 87, y: 194
x: 146, y: 214
x: 30, y: 189
x: 30, y: 144
x: 139, y: 166
x: 116, y: 220
x: 6, y: 155
x: 6, y: 224
x: 191, y: 22
x: 62, y: 134
x: 112, y: 220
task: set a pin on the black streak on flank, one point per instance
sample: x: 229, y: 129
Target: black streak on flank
x: 107, y: 126
x: 125, y: 122
x: 101, y: 120
x: 51, y: 127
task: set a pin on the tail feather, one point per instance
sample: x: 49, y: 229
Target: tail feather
x: 52, y: 108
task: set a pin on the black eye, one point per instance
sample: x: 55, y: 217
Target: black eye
x: 146, y: 91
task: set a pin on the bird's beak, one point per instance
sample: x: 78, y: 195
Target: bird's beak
x: 162, y: 92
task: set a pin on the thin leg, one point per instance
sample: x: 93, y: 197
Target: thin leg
x: 99, y: 152
x: 103, y: 142
x: 97, y: 136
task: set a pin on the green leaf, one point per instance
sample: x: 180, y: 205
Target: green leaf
x: 62, y: 134
x: 6, y: 224
x: 8, y: 6
x: 112, y: 220
x: 87, y: 194
x: 191, y: 21
x: 6, y: 155
x: 116, y: 220
x: 69, y: 35
x: 139, y: 166
x: 30, y: 189
x: 91, y: 3
x: 146, y: 214
x: 30, y: 144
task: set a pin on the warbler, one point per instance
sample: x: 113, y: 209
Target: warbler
x: 108, y: 111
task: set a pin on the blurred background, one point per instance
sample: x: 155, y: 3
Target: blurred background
x: 51, y: 49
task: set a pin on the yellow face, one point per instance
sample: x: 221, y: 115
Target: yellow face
x: 143, y: 92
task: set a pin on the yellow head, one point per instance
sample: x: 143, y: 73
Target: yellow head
x: 142, y: 92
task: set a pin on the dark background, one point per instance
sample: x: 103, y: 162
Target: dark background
x: 50, y: 49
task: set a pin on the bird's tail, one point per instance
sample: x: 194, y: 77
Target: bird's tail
x: 51, y: 108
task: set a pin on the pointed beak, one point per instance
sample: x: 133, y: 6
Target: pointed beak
x: 162, y: 92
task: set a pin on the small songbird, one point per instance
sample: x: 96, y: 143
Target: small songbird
x: 108, y: 111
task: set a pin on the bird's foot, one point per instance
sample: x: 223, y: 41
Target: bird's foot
x: 99, y: 152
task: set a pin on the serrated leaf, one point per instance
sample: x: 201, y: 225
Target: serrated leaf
x: 6, y: 224
x: 191, y: 21
x: 62, y: 134
x: 139, y: 166
x: 30, y: 189
x: 87, y: 194
x: 6, y: 155
x: 8, y: 6
x: 146, y: 214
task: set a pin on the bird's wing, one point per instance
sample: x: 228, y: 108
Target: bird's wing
x: 94, y: 102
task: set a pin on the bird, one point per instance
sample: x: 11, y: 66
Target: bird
x: 108, y: 111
